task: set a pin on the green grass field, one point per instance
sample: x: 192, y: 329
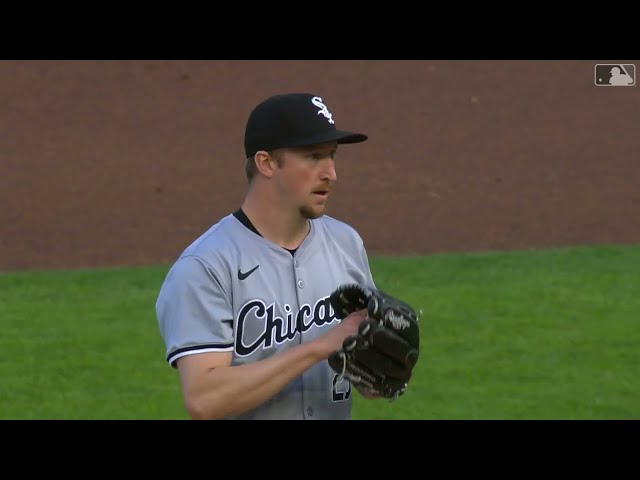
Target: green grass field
x: 523, y: 335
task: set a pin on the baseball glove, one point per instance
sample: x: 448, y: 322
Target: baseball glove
x: 379, y: 360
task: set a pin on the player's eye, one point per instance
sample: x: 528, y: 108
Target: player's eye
x: 322, y: 155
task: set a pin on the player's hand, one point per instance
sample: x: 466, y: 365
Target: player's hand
x: 368, y: 394
x: 381, y: 357
x: 334, y: 338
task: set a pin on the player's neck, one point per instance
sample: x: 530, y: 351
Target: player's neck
x: 282, y: 226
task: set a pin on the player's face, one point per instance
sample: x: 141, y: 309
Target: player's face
x: 307, y: 176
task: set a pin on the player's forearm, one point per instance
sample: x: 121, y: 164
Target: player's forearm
x: 231, y: 390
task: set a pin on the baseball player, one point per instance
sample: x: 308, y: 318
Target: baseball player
x: 244, y: 311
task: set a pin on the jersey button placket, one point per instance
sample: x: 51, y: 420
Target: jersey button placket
x: 300, y: 283
x: 296, y: 264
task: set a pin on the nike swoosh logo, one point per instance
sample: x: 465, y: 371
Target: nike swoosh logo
x: 242, y: 276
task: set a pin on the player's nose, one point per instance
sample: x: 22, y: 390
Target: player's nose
x: 329, y: 171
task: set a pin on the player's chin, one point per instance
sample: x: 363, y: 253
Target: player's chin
x: 312, y: 211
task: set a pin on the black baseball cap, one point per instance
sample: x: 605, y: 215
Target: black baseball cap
x: 293, y: 120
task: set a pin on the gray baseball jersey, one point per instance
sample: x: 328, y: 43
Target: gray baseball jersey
x: 232, y: 290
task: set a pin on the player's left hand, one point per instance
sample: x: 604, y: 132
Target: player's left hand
x: 366, y: 393
x: 380, y: 358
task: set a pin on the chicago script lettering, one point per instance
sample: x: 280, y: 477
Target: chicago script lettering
x: 274, y: 329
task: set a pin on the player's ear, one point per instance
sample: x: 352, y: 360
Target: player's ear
x: 266, y: 163
x: 261, y: 159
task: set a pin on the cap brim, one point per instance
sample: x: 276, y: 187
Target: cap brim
x: 340, y: 136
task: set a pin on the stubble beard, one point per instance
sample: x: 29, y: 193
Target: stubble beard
x: 309, y: 213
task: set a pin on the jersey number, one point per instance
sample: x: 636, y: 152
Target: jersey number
x: 341, y: 390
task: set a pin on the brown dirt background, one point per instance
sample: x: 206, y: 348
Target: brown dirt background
x: 125, y: 162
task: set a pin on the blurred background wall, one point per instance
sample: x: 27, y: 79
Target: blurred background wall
x: 126, y: 162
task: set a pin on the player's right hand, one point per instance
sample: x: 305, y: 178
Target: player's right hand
x: 335, y: 337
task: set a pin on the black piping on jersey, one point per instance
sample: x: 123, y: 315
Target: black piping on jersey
x: 240, y: 215
x: 212, y: 346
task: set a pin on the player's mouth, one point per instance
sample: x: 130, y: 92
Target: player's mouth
x: 321, y: 193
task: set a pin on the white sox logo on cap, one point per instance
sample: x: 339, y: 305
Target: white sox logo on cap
x: 317, y: 101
